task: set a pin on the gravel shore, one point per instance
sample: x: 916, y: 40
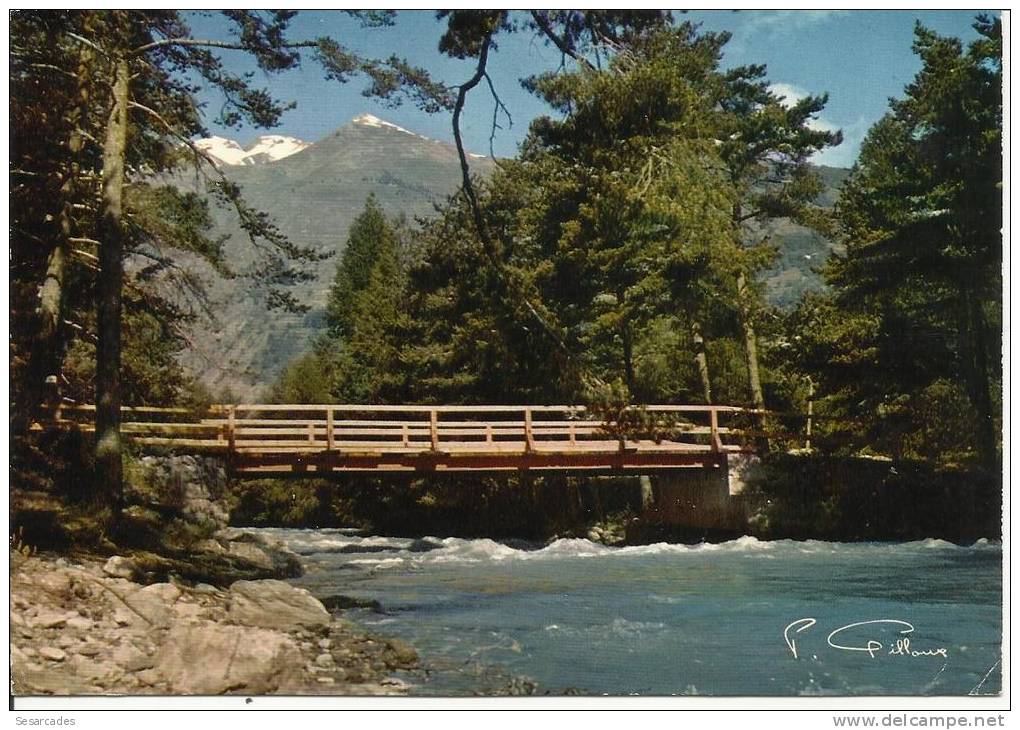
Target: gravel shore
x: 80, y: 627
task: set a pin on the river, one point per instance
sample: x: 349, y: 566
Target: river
x: 665, y: 619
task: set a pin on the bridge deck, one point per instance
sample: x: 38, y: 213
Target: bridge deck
x: 299, y: 439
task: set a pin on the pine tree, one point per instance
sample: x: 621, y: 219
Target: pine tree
x: 105, y: 100
x: 371, y: 239
x: 920, y: 217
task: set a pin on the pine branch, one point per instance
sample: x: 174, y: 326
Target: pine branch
x: 204, y: 43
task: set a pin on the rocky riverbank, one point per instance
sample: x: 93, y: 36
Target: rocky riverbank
x: 82, y: 627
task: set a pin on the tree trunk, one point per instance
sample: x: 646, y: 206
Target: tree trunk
x: 751, y: 359
x: 47, y: 348
x: 628, y: 358
x: 750, y: 345
x: 701, y: 362
x: 750, y: 339
x: 109, y: 467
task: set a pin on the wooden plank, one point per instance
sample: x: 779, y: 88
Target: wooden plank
x: 203, y: 444
x: 329, y: 429
x: 90, y: 408
x: 433, y: 429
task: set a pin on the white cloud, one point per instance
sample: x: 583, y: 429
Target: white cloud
x: 787, y: 20
x: 842, y: 155
x: 790, y: 94
x: 845, y: 154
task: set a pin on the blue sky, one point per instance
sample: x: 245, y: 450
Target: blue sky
x: 861, y: 58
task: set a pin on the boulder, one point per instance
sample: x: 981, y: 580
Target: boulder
x: 57, y: 583
x: 52, y: 653
x: 131, y: 658
x: 275, y: 604
x: 208, y: 546
x: 47, y: 619
x: 209, y: 659
x: 154, y: 602
x: 120, y: 567
x: 252, y: 553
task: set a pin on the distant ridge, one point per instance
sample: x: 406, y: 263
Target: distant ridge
x: 312, y: 192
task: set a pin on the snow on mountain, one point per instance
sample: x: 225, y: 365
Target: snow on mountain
x: 267, y: 148
x: 272, y: 147
x: 222, y: 150
x: 370, y: 120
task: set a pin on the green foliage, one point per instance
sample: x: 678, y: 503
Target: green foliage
x: 287, y: 503
x: 304, y: 380
x: 907, y: 344
x: 371, y: 245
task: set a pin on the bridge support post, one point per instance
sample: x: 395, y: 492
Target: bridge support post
x: 695, y: 499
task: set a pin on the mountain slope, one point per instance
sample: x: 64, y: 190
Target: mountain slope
x: 801, y: 250
x: 312, y: 195
x: 314, y: 192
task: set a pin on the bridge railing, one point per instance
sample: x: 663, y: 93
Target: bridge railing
x: 403, y: 429
x: 413, y: 429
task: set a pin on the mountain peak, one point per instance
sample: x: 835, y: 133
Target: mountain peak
x: 370, y: 120
x: 267, y: 148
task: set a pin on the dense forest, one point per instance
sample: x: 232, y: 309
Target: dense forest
x: 619, y: 258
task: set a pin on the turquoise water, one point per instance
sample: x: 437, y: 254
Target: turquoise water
x: 667, y: 619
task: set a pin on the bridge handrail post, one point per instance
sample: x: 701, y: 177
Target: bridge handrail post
x: 329, y: 429
x: 231, y: 421
x: 714, y: 427
x: 434, y: 428
x: 529, y: 436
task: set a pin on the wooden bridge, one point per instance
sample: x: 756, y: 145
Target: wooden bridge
x: 263, y: 439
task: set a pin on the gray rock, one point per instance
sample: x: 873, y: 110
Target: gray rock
x: 148, y: 677
x: 88, y: 649
x: 52, y: 653
x: 402, y: 652
x: 208, y: 546
x: 120, y: 567
x: 275, y: 604
x: 210, y: 659
x: 154, y: 602
x: 79, y: 623
x: 324, y: 660
x: 47, y: 619
x: 56, y: 583
x: 252, y: 553
x: 132, y: 658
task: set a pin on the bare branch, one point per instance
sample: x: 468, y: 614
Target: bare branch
x: 543, y: 24
x: 488, y: 243
x: 207, y: 43
x: 499, y: 106
x: 88, y: 43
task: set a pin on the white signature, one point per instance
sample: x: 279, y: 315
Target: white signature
x: 871, y: 645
